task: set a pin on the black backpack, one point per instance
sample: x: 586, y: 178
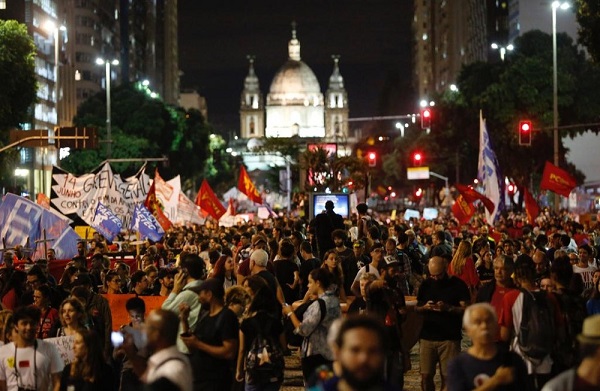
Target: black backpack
x: 264, y: 361
x: 536, y: 336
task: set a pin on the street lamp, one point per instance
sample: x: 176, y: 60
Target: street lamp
x: 503, y: 49
x: 107, y: 63
x: 555, y: 6
x: 51, y: 28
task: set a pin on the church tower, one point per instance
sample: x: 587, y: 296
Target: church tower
x: 336, y: 107
x: 252, y: 107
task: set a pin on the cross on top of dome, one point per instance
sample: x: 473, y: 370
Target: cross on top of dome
x: 294, y: 45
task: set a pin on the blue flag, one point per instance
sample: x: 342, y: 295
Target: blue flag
x: 106, y: 223
x: 488, y: 172
x: 146, y: 224
x: 21, y: 219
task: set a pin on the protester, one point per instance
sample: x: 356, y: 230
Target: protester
x: 88, y: 371
x: 442, y: 299
x: 213, y: 343
x: 36, y: 364
x: 166, y: 366
x: 484, y: 365
x: 313, y: 327
x: 41, y: 300
x: 463, y: 267
x: 128, y: 380
x: 287, y: 271
x: 324, y: 224
x: 191, y: 274
x: 112, y: 283
x: 263, y: 321
x: 224, y: 270
x: 308, y: 263
x: 586, y: 375
x: 332, y: 263
x: 72, y: 318
x: 237, y: 299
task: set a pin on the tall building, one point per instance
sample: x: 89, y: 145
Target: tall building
x: 452, y: 33
x: 167, y: 52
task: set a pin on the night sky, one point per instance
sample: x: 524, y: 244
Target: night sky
x: 373, y: 38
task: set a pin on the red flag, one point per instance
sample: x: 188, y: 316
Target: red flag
x: 247, y: 187
x: 471, y: 195
x: 531, y: 206
x: 208, y: 201
x: 231, y: 207
x: 557, y: 180
x: 43, y: 200
x: 463, y: 210
x: 154, y: 206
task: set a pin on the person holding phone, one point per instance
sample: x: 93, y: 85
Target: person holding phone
x: 442, y: 300
x: 192, y: 272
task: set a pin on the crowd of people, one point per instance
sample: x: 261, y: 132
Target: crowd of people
x: 505, y: 307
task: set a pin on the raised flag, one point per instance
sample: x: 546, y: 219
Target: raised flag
x: 247, y: 187
x: 471, y: 195
x: 154, y: 206
x: 146, y: 224
x: 106, y: 223
x: 21, y: 221
x: 167, y: 192
x: 208, y: 201
x: 557, y: 180
x: 463, y: 210
x: 488, y: 172
x: 531, y: 206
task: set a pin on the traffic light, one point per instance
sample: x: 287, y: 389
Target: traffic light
x: 417, y: 158
x: 426, y: 118
x: 418, y: 195
x: 525, y: 129
x: 372, y: 158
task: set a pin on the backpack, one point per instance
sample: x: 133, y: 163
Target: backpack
x: 537, y: 333
x: 573, y: 312
x: 371, y: 222
x: 295, y: 339
x: 264, y: 361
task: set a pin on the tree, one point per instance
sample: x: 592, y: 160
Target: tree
x: 588, y: 17
x: 17, y: 72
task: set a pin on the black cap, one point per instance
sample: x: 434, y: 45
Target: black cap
x: 213, y: 285
x: 82, y: 279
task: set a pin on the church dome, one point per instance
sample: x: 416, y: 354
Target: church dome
x: 295, y: 78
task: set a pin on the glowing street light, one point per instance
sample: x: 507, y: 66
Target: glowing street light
x: 107, y: 64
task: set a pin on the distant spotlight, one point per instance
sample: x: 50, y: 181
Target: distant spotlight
x: 423, y: 103
x: 453, y: 88
x: 146, y: 83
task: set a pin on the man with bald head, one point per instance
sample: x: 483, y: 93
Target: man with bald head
x: 166, y: 365
x: 442, y: 300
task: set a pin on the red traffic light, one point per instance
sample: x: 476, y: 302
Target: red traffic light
x: 525, y: 129
x: 426, y: 118
x: 417, y: 158
x: 372, y: 157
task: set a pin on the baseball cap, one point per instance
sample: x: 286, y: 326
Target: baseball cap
x: 82, y: 279
x: 213, y: 285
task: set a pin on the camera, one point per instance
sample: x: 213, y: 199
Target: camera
x: 117, y: 338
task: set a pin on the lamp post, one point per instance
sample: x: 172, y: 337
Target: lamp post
x: 51, y: 28
x: 555, y: 6
x: 503, y: 49
x: 107, y: 63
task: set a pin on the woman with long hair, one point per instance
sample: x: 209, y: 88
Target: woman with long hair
x: 263, y: 318
x: 64, y: 284
x: 112, y: 283
x: 41, y: 300
x: 314, y: 326
x: 463, y: 267
x: 224, y: 270
x: 333, y: 264
x: 88, y: 371
x: 485, y: 267
x: 72, y: 318
x: 6, y: 326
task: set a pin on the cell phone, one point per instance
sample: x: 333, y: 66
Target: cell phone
x: 117, y: 338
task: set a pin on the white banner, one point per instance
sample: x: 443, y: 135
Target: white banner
x: 188, y: 211
x: 168, y: 195
x: 64, y: 346
x: 81, y: 194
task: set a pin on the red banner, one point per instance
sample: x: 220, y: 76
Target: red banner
x: 462, y: 210
x: 247, y: 187
x: 531, y: 206
x: 154, y: 206
x: 557, y: 180
x: 208, y: 201
x: 471, y: 195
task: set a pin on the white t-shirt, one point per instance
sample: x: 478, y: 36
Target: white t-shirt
x: 587, y: 275
x: 47, y: 362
